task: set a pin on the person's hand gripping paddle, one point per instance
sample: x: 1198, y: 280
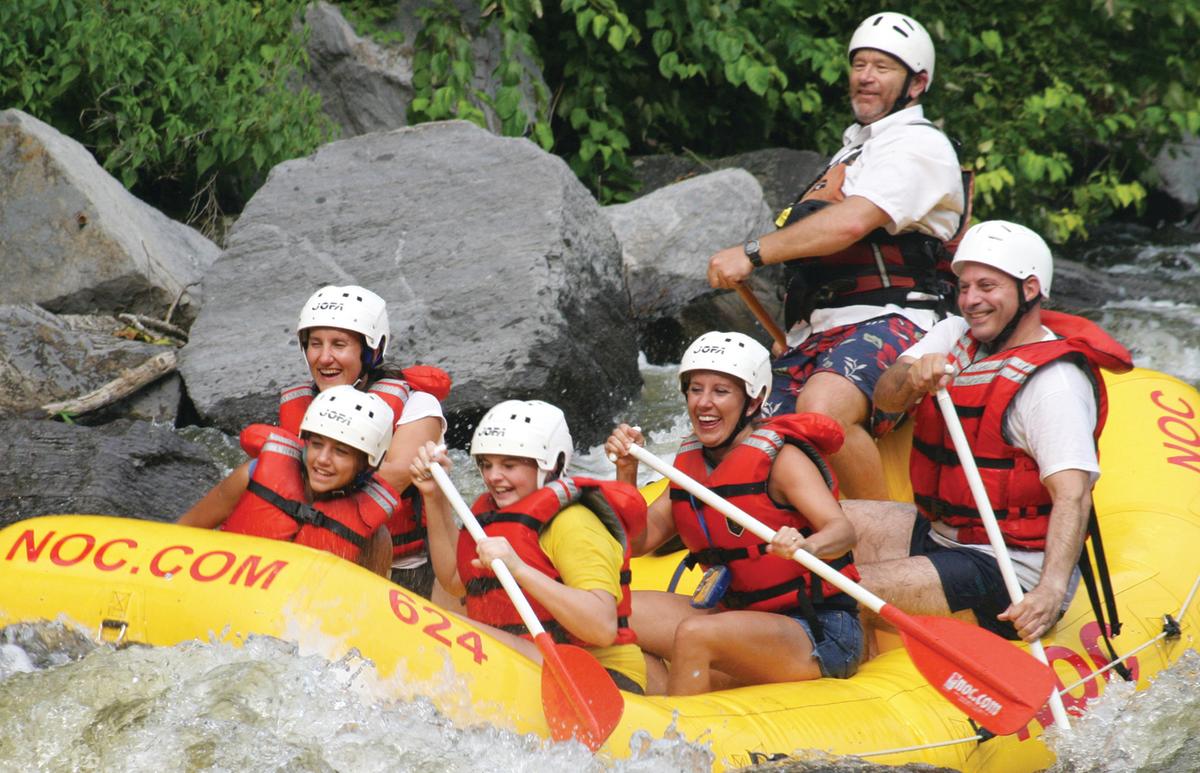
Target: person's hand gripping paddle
x: 971, y: 470
x: 998, y: 685
x: 579, y: 697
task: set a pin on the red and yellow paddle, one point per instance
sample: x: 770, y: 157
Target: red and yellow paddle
x: 990, y: 680
x: 580, y: 699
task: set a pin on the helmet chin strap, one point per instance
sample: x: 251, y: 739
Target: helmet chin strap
x: 1023, y: 306
x: 904, y: 99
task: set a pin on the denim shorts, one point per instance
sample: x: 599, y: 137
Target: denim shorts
x: 841, y: 650
x: 860, y: 353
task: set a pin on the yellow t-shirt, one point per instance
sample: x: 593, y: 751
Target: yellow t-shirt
x: 589, y: 557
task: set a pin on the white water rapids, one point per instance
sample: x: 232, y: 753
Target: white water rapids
x: 67, y: 704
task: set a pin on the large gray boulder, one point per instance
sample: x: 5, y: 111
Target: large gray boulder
x: 666, y: 239
x: 364, y: 87
x: 45, y: 358
x: 1178, y: 168
x: 131, y: 468
x: 495, y: 262
x: 783, y: 173
x: 73, y: 240
x: 367, y: 86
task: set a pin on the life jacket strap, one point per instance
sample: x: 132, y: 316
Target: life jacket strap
x: 305, y: 514
x: 948, y: 457
x: 940, y: 509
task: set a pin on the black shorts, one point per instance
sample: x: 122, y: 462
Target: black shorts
x: 971, y: 579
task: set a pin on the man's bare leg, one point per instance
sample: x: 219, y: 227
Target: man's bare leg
x: 858, y: 466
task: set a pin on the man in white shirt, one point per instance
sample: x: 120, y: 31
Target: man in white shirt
x: 867, y: 269
x: 1026, y: 385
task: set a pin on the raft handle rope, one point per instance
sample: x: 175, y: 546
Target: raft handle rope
x: 1171, y: 630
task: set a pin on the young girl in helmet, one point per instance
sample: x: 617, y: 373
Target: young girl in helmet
x: 319, y: 489
x: 343, y: 333
x: 758, y: 616
x: 566, y: 540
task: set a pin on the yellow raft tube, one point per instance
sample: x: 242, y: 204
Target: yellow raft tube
x: 160, y: 584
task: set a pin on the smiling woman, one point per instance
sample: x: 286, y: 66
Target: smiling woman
x: 343, y: 332
x: 319, y: 489
x: 749, y: 602
x: 565, y: 540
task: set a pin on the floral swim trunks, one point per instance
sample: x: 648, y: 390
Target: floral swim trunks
x: 860, y: 352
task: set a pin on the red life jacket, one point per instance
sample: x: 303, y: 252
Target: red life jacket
x: 759, y: 580
x: 274, y: 506
x: 880, y: 269
x: 407, y: 526
x: 982, y: 392
x: 619, y: 506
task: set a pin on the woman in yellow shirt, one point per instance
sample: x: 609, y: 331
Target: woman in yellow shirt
x: 565, y: 540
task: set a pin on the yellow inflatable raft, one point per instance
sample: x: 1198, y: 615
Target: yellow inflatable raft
x: 133, y: 581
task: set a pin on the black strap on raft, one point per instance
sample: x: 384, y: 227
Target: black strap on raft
x: 306, y: 514
x: 1110, y: 601
x: 981, y: 731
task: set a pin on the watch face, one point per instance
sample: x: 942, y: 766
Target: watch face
x: 752, y: 246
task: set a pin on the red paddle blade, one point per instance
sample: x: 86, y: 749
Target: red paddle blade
x: 578, y: 695
x: 992, y: 681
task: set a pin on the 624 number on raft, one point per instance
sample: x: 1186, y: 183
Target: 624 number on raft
x: 405, y: 610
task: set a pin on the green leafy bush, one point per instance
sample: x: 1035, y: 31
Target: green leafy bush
x: 1060, y: 106
x: 185, y: 102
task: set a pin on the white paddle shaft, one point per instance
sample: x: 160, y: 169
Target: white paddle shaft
x: 995, y: 537
x: 758, y: 528
x: 528, y: 616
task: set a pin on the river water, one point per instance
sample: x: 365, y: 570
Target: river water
x: 67, y: 704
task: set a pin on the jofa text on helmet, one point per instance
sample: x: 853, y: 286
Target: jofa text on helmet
x: 333, y: 415
x: 710, y: 349
x: 329, y: 306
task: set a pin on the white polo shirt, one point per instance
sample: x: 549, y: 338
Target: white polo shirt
x: 911, y: 171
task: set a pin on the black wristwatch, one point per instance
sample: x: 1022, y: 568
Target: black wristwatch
x: 751, y: 248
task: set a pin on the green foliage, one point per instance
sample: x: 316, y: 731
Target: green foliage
x: 184, y: 100
x: 1060, y: 106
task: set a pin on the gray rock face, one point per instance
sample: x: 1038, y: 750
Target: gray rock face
x: 130, y: 468
x: 367, y: 87
x: 72, y: 239
x: 45, y: 358
x: 1178, y: 168
x: 666, y: 239
x: 783, y: 173
x: 364, y: 87
x: 495, y: 262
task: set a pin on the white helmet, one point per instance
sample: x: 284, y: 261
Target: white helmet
x: 1011, y: 248
x: 734, y: 354
x: 527, y: 428
x: 900, y: 36
x: 352, y: 308
x: 361, y: 420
